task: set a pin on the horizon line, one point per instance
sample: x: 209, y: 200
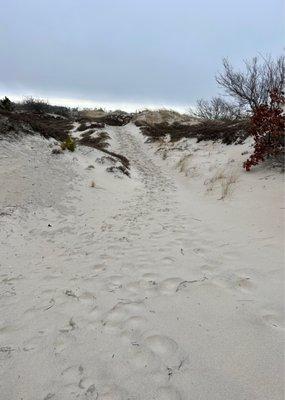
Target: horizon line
x: 92, y: 104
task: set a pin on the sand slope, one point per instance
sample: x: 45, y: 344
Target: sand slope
x: 143, y: 288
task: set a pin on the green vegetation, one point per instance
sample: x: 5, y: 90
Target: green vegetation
x: 68, y: 144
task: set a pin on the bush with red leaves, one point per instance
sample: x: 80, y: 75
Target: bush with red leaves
x: 267, y: 126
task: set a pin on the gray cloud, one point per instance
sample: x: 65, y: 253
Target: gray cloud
x: 141, y: 51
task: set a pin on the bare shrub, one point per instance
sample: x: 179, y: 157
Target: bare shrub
x: 82, y: 127
x: 6, y: 104
x: 31, y: 104
x: 252, y: 86
x: 40, y: 106
x: 99, y: 142
x: 226, y: 131
x: 218, y: 109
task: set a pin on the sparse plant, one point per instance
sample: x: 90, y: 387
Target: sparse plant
x: 224, y: 180
x: 183, y: 164
x: 226, y: 185
x: 210, y: 183
x: 68, y: 144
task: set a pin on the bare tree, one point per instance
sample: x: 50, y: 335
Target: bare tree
x: 217, y: 109
x: 252, y: 86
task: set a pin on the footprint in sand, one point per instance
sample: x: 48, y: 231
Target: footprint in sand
x: 143, y: 358
x: 121, y: 310
x: 161, y: 345
x: 272, y: 319
x: 170, y: 285
x: 123, y: 315
x: 148, y: 286
x: 233, y: 281
x: 99, y: 268
x: 71, y: 376
x: 150, y: 276
x: 74, y: 383
x: 87, y: 298
x: 135, y: 323
x: 63, y: 343
x: 114, y: 282
x: 33, y: 343
x: 166, y: 350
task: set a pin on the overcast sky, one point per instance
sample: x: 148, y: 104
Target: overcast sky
x: 163, y: 52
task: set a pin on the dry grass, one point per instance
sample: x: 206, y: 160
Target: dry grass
x: 183, y: 164
x: 222, y: 180
x: 163, y: 151
x: 226, y: 185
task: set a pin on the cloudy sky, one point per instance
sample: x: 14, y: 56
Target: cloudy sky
x: 123, y: 52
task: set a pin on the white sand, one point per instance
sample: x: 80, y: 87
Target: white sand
x: 143, y: 288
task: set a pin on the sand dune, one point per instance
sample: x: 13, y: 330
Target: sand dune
x: 144, y: 288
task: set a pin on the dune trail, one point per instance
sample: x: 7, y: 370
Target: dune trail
x: 132, y: 293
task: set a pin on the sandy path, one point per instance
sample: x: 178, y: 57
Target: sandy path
x: 134, y: 300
